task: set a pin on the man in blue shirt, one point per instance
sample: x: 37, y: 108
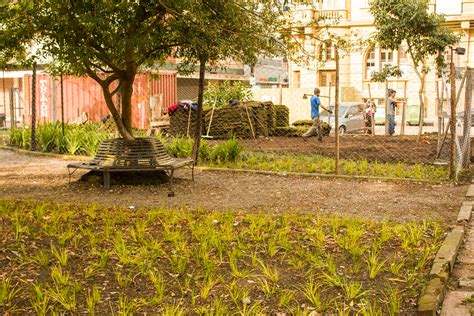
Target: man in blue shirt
x: 316, y: 127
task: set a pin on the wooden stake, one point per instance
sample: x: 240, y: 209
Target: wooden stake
x: 336, y: 108
x: 404, y: 106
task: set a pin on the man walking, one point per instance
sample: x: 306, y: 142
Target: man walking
x: 316, y: 127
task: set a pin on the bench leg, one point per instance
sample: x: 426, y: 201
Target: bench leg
x: 106, y: 179
x: 170, y: 192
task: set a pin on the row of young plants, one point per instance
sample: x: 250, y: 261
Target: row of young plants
x: 230, y: 154
x: 85, y: 140
x: 70, y: 259
x: 77, y: 139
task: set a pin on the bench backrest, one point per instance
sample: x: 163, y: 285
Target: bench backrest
x: 141, y: 152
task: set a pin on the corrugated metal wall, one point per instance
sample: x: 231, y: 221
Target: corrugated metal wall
x: 83, y: 94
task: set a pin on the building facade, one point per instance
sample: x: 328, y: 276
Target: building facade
x: 357, y: 65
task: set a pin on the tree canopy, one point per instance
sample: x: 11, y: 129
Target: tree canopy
x: 111, y: 41
x: 424, y: 33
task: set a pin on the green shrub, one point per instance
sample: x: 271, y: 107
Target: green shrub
x: 180, y: 147
x: 46, y: 135
x: 228, y: 151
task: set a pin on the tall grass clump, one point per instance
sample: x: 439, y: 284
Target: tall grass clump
x: 228, y: 151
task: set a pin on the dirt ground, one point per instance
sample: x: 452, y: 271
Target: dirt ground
x: 44, y: 178
x: 381, y: 148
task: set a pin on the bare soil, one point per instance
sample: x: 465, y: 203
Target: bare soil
x: 381, y: 148
x: 46, y: 178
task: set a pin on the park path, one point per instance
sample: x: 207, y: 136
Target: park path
x: 461, y: 285
x: 45, y: 178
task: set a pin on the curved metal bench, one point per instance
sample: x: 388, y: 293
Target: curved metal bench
x: 141, y: 154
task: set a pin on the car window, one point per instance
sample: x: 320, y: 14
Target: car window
x: 353, y: 110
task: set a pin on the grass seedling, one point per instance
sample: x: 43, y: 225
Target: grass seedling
x: 393, y: 300
x: 374, y: 265
x: 368, y: 308
x: 267, y: 288
x: 8, y: 291
x: 234, y: 268
x: 93, y: 297
x: 159, y: 285
x: 237, y: 293
x: 285, y: 298
x: 352, y: 290
x: 60, y: 255
x: 126, y: 307
x: 312, y: 291
x: 41, y: 258
x: 64, y: 296
x: 270, y: 272
x: 123, y: 280
x: 173, y: 310
x: 39, y: 300
x: 59, y: 278
x: 396, y: 266
x: 206, y: 288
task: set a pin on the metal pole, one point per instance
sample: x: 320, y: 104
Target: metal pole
x: 404, y: 107
x: 453, y: 117
x: 386, y: 107
x: 336, y: 108
x: 4, y: 97
x: 62, y: 102
x: 329, y: 103
x: 467, y: 119
x: 33, y: 108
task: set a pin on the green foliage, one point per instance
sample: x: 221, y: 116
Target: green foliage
x: 227, y: 151
x: 387, y: 72
x: 410, y: 22
x: 219, y: 94
x: 160, y: 259
x: 78, y: 139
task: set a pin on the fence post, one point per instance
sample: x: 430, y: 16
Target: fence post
x: 467, y: 120
x: 386, y: 107
x: 404, y: 106
x: 62, y: 102
x: 33, y: 109
x: 336, y: 108
x: 453, y: 119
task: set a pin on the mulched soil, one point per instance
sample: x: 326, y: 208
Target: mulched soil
x: 381, y: 148
x: 45, y: 178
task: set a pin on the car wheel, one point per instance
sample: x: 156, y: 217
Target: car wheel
x: 342, y: 130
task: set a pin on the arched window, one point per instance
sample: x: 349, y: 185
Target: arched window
x: 369, y: 63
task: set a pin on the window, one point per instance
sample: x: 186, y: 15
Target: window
x: 296, y: 79
x: 326, y: 51
x: 326, y: 77
x: 369, y: 63
x: 403, y: 62
x: 386, y: 58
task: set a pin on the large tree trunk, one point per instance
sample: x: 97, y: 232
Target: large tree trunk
x: 126, y: 99
x: 198, y: 130
x: 124, y: 132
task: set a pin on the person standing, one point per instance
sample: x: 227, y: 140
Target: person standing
x: 392, y: 106
x: 315, y: 103
x: 369, y: 115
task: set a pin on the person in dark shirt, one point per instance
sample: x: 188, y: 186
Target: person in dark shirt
x: 392, y: 106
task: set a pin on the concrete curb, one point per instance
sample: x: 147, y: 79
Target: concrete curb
x: 321, y: 175
x: 433, y: 294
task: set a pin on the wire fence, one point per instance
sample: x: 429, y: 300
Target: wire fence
x: 273, y: 116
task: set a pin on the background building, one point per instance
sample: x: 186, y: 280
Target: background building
x: 356, y: 66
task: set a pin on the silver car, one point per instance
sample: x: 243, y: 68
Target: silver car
x: 351, y: 117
